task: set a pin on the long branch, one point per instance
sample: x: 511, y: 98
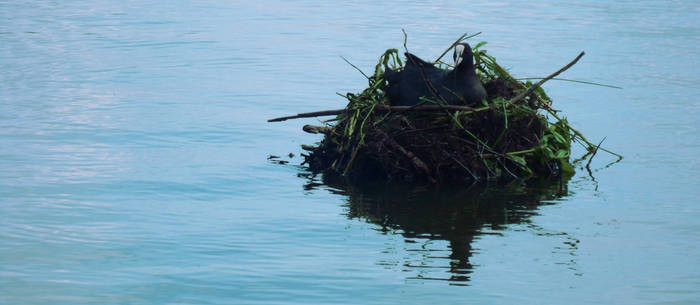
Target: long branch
x: 383, y: 108
x: 378, y: 108
x: 538, y: 84
x: 551, y: 111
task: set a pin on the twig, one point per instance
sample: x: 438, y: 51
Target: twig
x: 553, y: 112
x: 352, y: 159
x: 460, y: 39
x: 590, y: 174
x: 506, y: 168
x: 309, y: 115
x: 380, y: 108
x: 415, y: 161
x: 588, y: 153
x: 611, y: 163
x: 316, y: 129
x: 538, y: 84
x: 593, y: 155
x: 462, y: 165
x: 405, y: 38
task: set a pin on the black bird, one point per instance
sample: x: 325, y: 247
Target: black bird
x: 460, y: 86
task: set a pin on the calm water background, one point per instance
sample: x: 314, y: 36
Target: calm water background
x: 133, y: 149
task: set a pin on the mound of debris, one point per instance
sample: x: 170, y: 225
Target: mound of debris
x: 506, y: 136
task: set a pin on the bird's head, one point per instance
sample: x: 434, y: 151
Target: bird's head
x: 463, y: 55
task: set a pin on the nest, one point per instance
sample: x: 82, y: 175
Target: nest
x: 514, y: 134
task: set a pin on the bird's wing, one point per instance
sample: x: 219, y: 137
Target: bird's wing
x: 413, y: 60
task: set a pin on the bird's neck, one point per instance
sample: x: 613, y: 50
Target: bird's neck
x: 464, y: 71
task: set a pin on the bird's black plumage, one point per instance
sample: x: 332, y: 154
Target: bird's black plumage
x: 460, y: 86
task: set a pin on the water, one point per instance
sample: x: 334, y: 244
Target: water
x: 133, y: 166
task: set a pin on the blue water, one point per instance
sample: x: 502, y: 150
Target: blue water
x: 134, y: 144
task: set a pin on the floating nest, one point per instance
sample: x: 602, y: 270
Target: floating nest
x: 514, y: 134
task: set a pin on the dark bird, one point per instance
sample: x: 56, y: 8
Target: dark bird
x: 460, y: 86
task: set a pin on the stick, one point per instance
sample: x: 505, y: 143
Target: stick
x: 538, y: 84
x: 595, y: 151
x: 415, y: 161
x: 460, y: 39
x: 405, y: 38
x: 316, y: 129
x: 309, y: 115
x: 462, y: 165
x: 379, y: 108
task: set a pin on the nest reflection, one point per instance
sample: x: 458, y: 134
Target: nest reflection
x: 440, y: 224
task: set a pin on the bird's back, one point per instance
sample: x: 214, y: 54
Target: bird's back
x: 407, y: 86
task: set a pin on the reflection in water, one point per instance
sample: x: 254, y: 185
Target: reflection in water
x: 428, y: 217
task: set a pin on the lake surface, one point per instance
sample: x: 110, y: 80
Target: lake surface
x: 134, y: 144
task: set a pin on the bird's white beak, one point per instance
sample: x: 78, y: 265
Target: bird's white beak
x: 459, y: 50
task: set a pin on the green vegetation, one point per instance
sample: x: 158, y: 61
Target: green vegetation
x: 508, y: 136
